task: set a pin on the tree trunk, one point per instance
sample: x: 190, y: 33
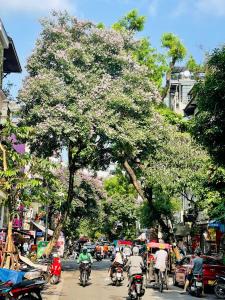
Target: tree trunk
x: 146, y: 194
x: 168, y: 80
x: 67, y: 205
x: 10, y: 249
x: 133, y: 179
x: 54, y: 238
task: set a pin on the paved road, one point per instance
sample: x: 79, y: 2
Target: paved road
x: 100, y: 287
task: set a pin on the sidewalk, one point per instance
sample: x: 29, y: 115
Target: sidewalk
x: 51, y: 291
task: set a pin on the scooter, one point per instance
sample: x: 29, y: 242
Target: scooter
x: 25, y: 290
x: 219, y: 287
x: 136, y: 290
x: 117, y: 275
x: 85, y: 272
x: 55, y: 270
x: 196, y: 286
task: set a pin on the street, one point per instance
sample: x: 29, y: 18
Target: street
x: 100, y: 287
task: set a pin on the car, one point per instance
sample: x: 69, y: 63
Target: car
x: 90, y: 247
x: 211, y: 267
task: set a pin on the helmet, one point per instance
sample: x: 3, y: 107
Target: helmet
x: 161, y: 247
x: 135, y: 251
x: 84, y: 249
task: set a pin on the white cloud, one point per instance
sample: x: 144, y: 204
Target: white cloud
x: 181, y: 8
x: 153, y: 8
x: 36, y: 5
x: 212, y: 7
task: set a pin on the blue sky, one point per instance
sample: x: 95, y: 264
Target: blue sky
x: 199, y: 23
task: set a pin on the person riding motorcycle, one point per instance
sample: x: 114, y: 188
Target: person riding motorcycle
x: 118, y: 261
x: 126, y: 252
x: 135, y: 265
x: 85, y: 256
x: 195, y: 271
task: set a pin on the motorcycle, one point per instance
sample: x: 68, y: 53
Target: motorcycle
x: 98, y: 256
x: 25, y: 290
x: 136, y: 290
x: 196, y: 286
x: 117, y: 275
x: 85, y: 272
x: 55, y: 270
x: 219, y: 287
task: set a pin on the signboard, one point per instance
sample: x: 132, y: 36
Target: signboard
x: 39, y: 233
x: 60, y: 244
x: 41, y: 248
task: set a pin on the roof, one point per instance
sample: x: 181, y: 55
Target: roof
x: 179, y: 69
x: 11, y: 62
x: 42, y: 228
x: 3, y: 36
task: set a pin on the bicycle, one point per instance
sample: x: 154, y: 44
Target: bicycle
x: 163, y: 280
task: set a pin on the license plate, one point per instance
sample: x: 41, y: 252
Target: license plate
x: 118, y: 275
x: 198, y: 283
x: 211, y: 282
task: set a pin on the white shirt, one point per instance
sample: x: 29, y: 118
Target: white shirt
x: 118, y: 258
x: 127, y: 251
x: 161, y: 260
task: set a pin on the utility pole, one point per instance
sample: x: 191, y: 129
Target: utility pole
x: 46, y: 222
x: 47, y: 211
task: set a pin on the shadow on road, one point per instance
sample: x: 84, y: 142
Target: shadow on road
x: 71, y: 265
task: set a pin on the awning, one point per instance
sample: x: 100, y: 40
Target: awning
x: 42, y: 228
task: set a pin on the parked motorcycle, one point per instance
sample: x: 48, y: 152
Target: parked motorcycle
x: 85, y: 272
x: 117, y: 275
x: 136, y: 290
x: 55, y: 270
x: 196, y: 286
x: 25, y: 290
x: 219, y: 287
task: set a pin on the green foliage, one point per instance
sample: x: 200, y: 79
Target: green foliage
x: 193, y: 66
x: 85, y: 215
x: 173, y: 118
x: 15, y: 181
x: 214, y: 202
x: 119, y: 185
x: 120, y: 208
x: 131, y: 22
x: 176, y: 50
x: 209, y: 126
x: 156, y: 63
x: 100, y: 25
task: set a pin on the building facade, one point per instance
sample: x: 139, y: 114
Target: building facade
x: 182, y: 82
x: 9, y: 63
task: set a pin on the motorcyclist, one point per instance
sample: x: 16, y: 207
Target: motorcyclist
x: 118, y: 261
x: 127, y: 252
x: 196, y: 270
x: 83, y: 257
x: 161, y: 257
x: 98, y: 248
x: 134, y: 265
